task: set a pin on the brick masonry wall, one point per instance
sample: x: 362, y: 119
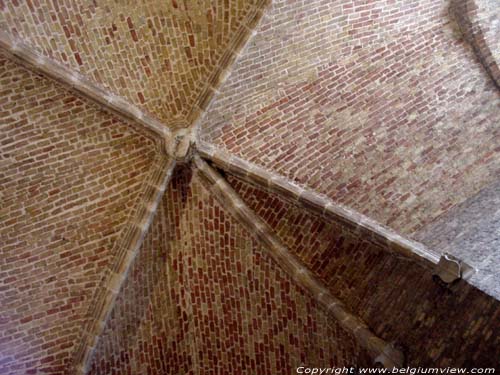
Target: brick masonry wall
x: 236, y: 311
x: 380, y: 105
x: 70, y: 179
x: 396, y: 297
x: 157, y: 54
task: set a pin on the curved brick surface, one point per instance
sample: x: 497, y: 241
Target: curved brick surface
x: 231, y: 309
x: 148, y: 331
x: 67, y: 189
x: 157, y: 54
x: 380, y: 105
x: 393, y: 295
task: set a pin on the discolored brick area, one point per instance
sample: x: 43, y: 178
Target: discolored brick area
x: 395, y: 296
x: 157, y: 54
x: 203, y: 298
x: 70, y: 179
x: 380, y: 105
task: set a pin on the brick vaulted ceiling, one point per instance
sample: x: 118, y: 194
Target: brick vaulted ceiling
x: 158, y: 54
x: 320, y: 140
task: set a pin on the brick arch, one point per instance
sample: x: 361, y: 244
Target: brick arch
x: 475, y: 22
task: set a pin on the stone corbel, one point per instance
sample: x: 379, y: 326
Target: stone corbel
x: 450, y: 269
x: 390, y: 357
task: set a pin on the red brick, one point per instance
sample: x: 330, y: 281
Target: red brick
x: 334, y: 94
x: 45, y: 250
x: 211, y: 304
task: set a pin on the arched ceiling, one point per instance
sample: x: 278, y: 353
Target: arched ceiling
x: 382, y: 106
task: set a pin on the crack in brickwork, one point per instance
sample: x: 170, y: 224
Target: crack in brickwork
x: 71, y: 178
x: 248, y: 316
x: 397, y: 298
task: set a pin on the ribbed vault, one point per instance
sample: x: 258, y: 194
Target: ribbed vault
x: 237, y: 186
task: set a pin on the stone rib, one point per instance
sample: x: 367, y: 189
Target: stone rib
x: 16, y: 49
x: 465, y: 13
x: 126, y: 250
x: 380, y: 350
x: 319, y: 204
x: 240, y: 39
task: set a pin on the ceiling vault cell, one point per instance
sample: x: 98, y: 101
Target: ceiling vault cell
x: 126, y: 251
x: 87, y: 208
x: 169, y: 58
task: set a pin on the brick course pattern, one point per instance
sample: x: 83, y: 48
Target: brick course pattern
x: 479, y: 21
x: 126, y: 251
x: 380, y: 105
x: 70, y: 179
x: 395, y: 296
x: 157, y: 54
x: 230, y: 308
x: 380, y: 351
x: 148, y: 331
